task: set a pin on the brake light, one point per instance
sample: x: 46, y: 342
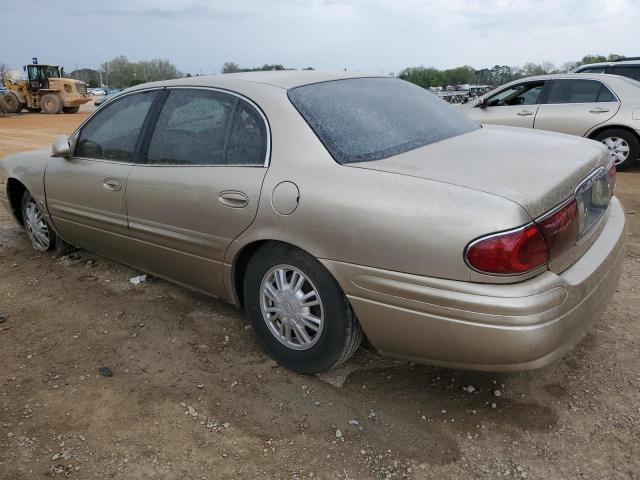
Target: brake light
x: 512, y: 252
x: 611, y: 173
x: 561, y: 228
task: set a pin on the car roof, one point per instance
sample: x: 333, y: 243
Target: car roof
x: 285, y: 79
x: 607, y: 64
x: 571, y: 76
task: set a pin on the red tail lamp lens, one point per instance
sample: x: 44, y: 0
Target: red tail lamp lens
x: 517, y: 251
x: 611, y: 172
x: 561, y: 229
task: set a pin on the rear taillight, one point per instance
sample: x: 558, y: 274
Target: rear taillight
x: 515, y: 251
x: 529, y: 247
x: 611, y: 173
x: 526, y: 248
x: 561, y: 228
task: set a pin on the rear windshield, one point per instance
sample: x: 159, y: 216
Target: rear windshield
x: 364, y: 119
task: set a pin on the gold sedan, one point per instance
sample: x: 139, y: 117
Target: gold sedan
x: 337, y: 206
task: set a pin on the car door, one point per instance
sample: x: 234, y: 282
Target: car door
x: 206, y: 159
x: 85, y: 193
x: 575, y: 106
x: 515, y: 105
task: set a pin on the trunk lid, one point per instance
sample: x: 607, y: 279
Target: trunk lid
x: 537, y: 170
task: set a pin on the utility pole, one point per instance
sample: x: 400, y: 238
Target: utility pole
x: 76, y: 70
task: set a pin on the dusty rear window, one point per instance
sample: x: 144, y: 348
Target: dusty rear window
x: 364, y: 119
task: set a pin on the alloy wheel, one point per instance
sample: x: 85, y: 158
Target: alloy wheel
x: 291, y: 307
x: 618, y: 149
x: 37, y: 228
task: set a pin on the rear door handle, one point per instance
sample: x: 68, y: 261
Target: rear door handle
x: 524, y: 113
x: 233, y: 199
x: 599, y: 110
x: 112, y: 184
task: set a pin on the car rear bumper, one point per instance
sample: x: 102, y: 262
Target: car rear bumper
x: 477, y: 326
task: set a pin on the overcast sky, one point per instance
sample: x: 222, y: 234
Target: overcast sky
x: 365, y: 35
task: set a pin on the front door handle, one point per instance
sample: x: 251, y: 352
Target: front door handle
x: 233, y: 199
x: 599, y: 110
x: 112, y: 184
x: 524, y: 113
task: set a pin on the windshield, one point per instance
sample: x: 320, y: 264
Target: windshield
x: 365, y: 119
x: 53, y: 72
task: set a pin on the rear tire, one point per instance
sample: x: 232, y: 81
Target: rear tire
x: 620, y: 142
x: 42, y: 235
x: 70, y: 109
x: 11, y: 103
x: 51, y: 103
x: 327, y: 333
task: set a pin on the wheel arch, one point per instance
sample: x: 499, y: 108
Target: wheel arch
x: 15, y: 192
x: 241, y: 262
x: 603, y: 128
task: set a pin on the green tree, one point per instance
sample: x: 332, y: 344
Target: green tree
x: 423, y: 76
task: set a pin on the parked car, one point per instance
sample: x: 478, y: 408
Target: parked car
x: 332, y: 206
x: 625, y: 67
x: 605, y: 108
x: 100, y: 100
x: 98, y: 91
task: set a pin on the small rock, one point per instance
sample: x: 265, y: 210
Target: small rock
x: 497, y: 393
x: 338, y: 433
x: 469, y: 388
x: 105, y: 371
x: 353, y: 422
x: 191, y: 411
x: 494, y: 405
x: 3, y: 317
x: 200, y: 386
x: 138, y: 280
x: 203, y: 348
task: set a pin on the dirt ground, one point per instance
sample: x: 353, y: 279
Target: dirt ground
x: 193, y: 396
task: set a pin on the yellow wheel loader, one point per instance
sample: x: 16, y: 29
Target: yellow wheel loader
x: 45, y: 90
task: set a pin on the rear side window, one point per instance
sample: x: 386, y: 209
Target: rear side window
x: 248, y: 140
x: 579, y: 91
x: 192, y: 128
x: 365, y: 119
x: 112, y: 133
x: 630, y: 71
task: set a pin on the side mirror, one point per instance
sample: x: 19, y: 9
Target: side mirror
x: 61, y: 147
x: 482, y: 103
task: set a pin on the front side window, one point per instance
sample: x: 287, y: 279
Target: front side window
x: 192, y: 128
x: 112, y: 133
x: 579, y: 91
x: 520, y: 94
x: 365, y: 119
x: 630, y: 71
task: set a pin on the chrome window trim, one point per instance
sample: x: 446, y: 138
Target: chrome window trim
x: 267, y: 160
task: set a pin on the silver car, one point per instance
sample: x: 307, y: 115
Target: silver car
x: 337, y: 206
x: 602, y: 107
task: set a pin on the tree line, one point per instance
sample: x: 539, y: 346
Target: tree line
x: 120, y: 72
x: 497, y: 75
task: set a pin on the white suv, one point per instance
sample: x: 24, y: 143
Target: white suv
x: 625, y: 67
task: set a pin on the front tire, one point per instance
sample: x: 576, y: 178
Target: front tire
x: 51, y: 103
x: 43, y: 237
x: 11, y: 103
x: 70, y: 109
x: 298, y: 310
x: 623, y: 146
